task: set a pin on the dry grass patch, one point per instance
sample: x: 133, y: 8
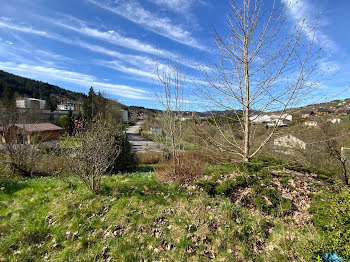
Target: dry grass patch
x: 189, y: 170
x: 149, y: 157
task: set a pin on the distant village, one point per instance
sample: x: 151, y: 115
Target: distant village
x: 310, y: 117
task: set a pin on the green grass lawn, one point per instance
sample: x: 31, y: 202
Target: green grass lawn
x: 136, y: 218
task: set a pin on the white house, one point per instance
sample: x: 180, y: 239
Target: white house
x: 260, y: 119
x: 66, y: 106
x: 30, y: 103
x: 283, y: 117
x: 335, y: 120
x: 271, y: 120
x: 311, y: 123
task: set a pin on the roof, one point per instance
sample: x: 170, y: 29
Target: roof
x: 39, y: 127
x: 324, y: 110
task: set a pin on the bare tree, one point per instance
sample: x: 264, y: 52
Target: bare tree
x: 172, y: 101
x: 261, y: 68
x: 95, y: 154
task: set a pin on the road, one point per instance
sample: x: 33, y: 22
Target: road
x: 139, y: 143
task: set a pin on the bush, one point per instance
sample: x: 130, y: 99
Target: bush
x: 331, y: 217
x: 96, y: 155
x: 127, y: 159
x: 340, y: 226
x: 189, y: 170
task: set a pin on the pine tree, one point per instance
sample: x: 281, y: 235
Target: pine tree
x: 89, y: 106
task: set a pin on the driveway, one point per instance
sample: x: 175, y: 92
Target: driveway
x: 139, y: 143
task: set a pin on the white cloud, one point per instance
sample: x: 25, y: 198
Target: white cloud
x: 30, y: 30
x: 116, y: 65
x: 302, y: 11
x: 4, y: 24
x: 147, y: 71
x: 109, y: 36
x: 136, y: 65
x: 133, y: 11
x: 114, y: 38
x: 53, y: 74
x: 330, y: 67
x: 179, y: 6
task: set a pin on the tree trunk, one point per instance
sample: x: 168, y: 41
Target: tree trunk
x: 246, y: 152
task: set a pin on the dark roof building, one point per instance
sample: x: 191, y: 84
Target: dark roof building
x: 28, y: 133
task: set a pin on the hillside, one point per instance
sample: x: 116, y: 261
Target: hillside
x: 17, y: 86
x: 14, y: 86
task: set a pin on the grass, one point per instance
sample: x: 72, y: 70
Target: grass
x: 138, y: 218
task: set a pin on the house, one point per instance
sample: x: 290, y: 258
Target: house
x: 28, y: 133
x: 277, y: 122
x: 335, y: 120
x: 260, y: 119
x: 66, y: 106
x: 323, y: 112
x: 311, y: 123
x: 343, y: 112
x: 73, y: 106
x: 306, y: 114
x: 30, y: 103
x: 271, y: 120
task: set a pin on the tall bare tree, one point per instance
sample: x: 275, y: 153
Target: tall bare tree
x: 264, y: 65
x: 172, y: 100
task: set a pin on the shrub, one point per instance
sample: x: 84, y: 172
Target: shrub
x: 331, y: 217
x: 96, y: 154
x: 189, y: 170
x: 127, y: 159
x: 340, y: 226
x: 24, y: 158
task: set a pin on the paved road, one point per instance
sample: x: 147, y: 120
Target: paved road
x: 139, y: 143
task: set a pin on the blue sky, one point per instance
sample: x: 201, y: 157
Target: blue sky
x: 115, y: 45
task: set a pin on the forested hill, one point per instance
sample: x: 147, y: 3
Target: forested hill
x: 23, y: 87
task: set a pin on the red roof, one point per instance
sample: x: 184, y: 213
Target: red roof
x: 40, y: 127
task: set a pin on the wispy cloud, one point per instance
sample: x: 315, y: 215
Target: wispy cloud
x: 109, y: 36
x: 302, y: 11
x: 140, y: 67
x: 112, y: 37
x: 147, y: 71
x: 118, y: 66
x: 83, y: 80
x: 179, y: 6
x: 133, y: 11
x: 5, y: 24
